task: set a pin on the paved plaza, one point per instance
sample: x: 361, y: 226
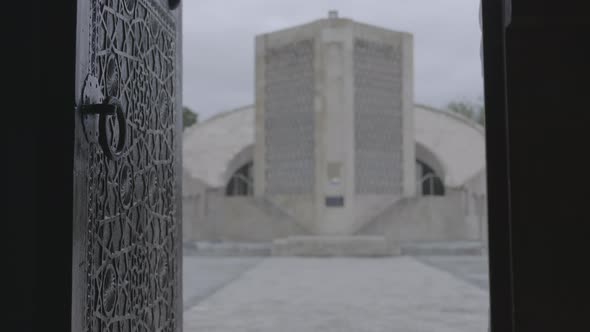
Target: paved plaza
x: 410, y: 294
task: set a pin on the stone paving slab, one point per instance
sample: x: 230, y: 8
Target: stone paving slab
x: 473, y: 269
x: 342, y: 294
x: 203, y: 276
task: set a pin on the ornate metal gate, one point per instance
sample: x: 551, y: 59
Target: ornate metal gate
x: 127, y: 249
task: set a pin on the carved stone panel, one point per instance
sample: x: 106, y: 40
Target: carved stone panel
x: 289, y: 118
x: 378, y: 117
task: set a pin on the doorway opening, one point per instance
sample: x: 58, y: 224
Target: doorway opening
x: 358, y: 136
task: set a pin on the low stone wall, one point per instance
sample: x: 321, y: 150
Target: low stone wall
x: 194, y: 193
x: 242, y: 219
x: 428, y: 218
x: 476, y: 203
x: 460, y: 215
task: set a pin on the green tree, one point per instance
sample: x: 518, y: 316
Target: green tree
x: 471, y: 110
x: 189, y: 117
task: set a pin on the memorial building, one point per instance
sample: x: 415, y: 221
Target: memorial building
x: 334, y: 156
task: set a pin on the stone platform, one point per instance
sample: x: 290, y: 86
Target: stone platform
x: 227, y: 249
x: 328, y: 246
x: 448, y: 248
x: 333, y: 246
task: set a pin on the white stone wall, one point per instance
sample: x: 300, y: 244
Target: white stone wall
x: 243, y: 219
x: 428, y: 218
x: 475, y: 204
x: 194, y: 194
x: 335, y: 157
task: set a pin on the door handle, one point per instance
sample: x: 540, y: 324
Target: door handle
x: 110, y: 107
x: 96, y: 112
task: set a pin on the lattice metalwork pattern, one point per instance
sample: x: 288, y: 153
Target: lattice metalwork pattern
x: 378, y: 117
x: 132, y: 262
x: 289, y: 118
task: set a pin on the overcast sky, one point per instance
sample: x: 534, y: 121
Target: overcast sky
x: 218, y: 42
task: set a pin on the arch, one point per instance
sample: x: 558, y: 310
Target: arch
x: 241, y: 182
x: 214, y: 148
x: 239, y: 173
x: 429, y: 182
x: 456, y: 144
x: 245, y: 156
x: 426, y: 156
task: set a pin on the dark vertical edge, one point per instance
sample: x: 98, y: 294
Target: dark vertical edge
x: 21, y: 54
x: 55, y: 147
x: 28, y: 294
x: 178, y: 155
x: 547, y: 72
x: 80, y: 185
x: 498, y: 176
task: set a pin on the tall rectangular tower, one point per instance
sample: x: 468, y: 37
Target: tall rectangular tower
x: 334, y: 125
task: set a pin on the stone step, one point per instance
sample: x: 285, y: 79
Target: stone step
x: 227, y: 249
x: 452, y: 248
x: 353, y: 246
x: 332, y: 246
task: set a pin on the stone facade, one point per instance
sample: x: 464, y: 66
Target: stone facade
x: 289, y: 118
x: 313, y: 84
x: 335, y: 140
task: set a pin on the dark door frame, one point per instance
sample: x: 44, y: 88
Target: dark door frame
x: 557, y: 296
x: 497, y: 144
x: 536, y: 85
x: 54, y: 169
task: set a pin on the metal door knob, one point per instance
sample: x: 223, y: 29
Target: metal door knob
x: 110, y: 107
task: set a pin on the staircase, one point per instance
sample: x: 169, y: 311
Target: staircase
x: 278, y: 214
